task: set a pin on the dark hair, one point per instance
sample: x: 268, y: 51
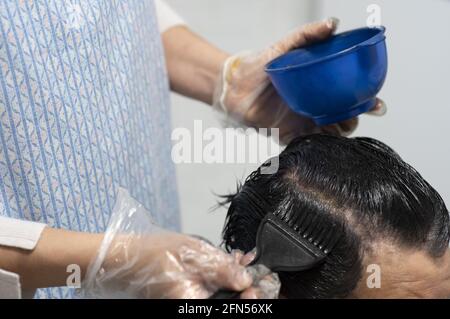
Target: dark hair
x: 359, y: 182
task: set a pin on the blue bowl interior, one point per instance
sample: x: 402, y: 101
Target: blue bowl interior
x: 336, y: 45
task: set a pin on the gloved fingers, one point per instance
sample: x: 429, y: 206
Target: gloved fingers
x: 184, y: 278
x: 266, y: 288
x: 380, y: 108
x: 267, y: 110
x: 248, y: 257
x: 348, y: 127
x: 269, y: 287
x: 195, y: 270
x: 250, y: 293
x: 333, y: 129
x: 304, y: 127
x: 305, y: 35
x: 216, y: 268
x: 344, y: 128
x: 229, y: 276
x: 237, y: 255
x: 186, y: 289
x: 274, y: 113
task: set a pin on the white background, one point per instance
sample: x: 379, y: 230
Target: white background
x: 417, y: 90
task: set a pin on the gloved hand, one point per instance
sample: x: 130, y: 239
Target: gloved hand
x: 137, y: 259
x: 169, y: 266
x: 266, y: 288
x: 245, y: 93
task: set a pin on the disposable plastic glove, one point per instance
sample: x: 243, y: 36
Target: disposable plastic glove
x: 137, y: 259
x: 266, y: 288
x: 245, y: 93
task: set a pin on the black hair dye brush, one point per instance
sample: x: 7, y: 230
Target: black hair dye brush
x: 291, y: 244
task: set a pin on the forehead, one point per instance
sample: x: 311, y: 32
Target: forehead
x: 392, y: 272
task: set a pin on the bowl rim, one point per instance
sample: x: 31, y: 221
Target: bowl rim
x: 377, y: 38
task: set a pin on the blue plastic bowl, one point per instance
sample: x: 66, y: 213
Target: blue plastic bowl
x: 335, y: 80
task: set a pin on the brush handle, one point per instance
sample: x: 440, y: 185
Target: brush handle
x: 258, y: 272
x: 226, y: 294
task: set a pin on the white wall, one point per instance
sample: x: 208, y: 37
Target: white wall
x: 418, y: 85
x: 233, y: 25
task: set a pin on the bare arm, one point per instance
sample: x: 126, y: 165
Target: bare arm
x: 193, y: 63
x: 46, y: 265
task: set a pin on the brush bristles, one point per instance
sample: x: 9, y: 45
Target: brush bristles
x: 311, y: 227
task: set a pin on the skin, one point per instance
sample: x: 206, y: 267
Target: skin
x: 406, y: 273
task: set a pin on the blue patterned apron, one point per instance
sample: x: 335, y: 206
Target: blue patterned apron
x: 84, y: 109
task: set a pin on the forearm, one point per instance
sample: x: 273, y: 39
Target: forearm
x: 193, y: 64
x: 46, y: 265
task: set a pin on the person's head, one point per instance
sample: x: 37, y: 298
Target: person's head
x: 395, y: 224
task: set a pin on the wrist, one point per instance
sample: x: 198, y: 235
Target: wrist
x: 213, y: 76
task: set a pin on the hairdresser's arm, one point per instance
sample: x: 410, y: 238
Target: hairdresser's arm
x: 46, y: 265
x: 193, y: 64
x: 146, y: 266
